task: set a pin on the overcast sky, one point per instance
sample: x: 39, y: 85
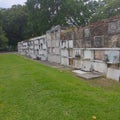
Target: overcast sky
x: 9, y: 3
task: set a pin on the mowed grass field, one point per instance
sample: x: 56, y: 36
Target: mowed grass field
x: 32, y: 91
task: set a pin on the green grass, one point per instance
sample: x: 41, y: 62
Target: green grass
x: 32, y: 91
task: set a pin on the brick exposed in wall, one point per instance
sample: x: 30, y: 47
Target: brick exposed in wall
x: 78, y: 43
x: 99, y: 55
x: 105, y: 33
x: 70, y: 61
x: 87, y: 42
x: 114, y: 41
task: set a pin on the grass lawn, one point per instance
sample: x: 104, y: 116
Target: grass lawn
x: 32, y: 91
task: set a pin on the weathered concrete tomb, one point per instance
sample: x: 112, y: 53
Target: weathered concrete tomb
x: 95, y: 47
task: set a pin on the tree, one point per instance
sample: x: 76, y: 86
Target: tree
x: 73, y: 12
x: 46, y: 13
x: 14, y: 21
x: 106, y: 9
x: 3, y: 39
x: 38, y: 16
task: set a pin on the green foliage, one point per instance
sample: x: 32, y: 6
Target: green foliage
x: 106, y: 9
x: 14, y: 21
x: 3, y: 39
x: 38, y: 17
x: 75, y: 12
x: 32, y: 91
x: 46, y: 13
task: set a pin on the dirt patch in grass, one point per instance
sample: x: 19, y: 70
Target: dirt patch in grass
x: 104, y: 82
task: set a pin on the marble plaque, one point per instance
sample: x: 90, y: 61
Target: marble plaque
x: 87, y: 32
